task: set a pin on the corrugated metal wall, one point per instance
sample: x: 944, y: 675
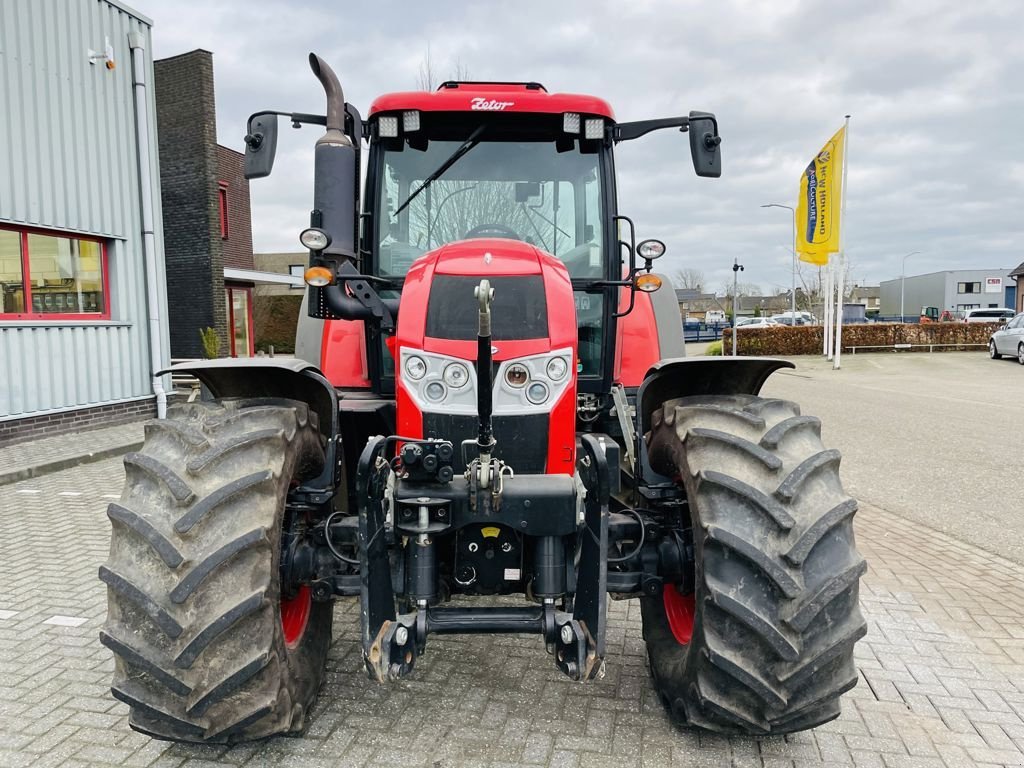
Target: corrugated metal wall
x: 68, y: 160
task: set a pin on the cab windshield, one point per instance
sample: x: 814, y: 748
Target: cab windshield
x: 525, y: 190
x: 513, y: 176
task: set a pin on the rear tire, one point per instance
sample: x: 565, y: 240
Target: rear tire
x: 765, y: 643
x: 206, y: 648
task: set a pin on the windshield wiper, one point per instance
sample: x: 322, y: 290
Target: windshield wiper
x: 468, y: 144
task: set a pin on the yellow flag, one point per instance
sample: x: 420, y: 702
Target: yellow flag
x: 819, y: 202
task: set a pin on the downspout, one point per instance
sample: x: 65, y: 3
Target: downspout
x: 137, y: 43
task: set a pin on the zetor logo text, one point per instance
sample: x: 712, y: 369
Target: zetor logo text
x: 490, y: 104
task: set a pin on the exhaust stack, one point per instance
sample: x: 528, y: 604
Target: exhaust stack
x: 334, y: 172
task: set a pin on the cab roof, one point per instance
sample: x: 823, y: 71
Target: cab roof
x: 454, y: 96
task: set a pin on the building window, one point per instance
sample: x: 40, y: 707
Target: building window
x: 968, y: 287
x: 299, y: 271
x: 45, y: 276
x: 222, y: 205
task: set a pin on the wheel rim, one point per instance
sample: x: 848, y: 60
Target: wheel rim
x: 991, y: 349
x: 295, y: 615
x: 1020, y: 354
x: 680, y: 610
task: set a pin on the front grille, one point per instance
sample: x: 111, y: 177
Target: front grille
x: 522, y: 440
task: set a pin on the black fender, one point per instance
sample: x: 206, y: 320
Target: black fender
x: 281, y: 377
x: 686, y: 376
x: 268, y: 377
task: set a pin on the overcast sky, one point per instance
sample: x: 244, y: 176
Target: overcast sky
x: 936, y: 156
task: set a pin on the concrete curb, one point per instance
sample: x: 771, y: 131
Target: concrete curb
x: 27, y: 473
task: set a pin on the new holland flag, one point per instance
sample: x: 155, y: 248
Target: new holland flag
x: 819, y: 202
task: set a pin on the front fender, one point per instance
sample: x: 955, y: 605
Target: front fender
x: 683, y: 377
x: 268, y: 377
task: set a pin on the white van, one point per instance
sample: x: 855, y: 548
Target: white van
x: 714, y: 316
x: 992, y: 315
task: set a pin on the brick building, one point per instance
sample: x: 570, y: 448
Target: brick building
x: 207, y: 221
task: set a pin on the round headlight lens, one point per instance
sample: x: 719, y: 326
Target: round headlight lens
x: 415, y: 367
x: 456, y: 375
x: 557, y: 368
x: 651, y: 249
x: 537, y: 393
x: 517, y: 375
x: 314, y: 239
x: 435, y: 391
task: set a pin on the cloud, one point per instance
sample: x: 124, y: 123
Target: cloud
x: 933, y: 87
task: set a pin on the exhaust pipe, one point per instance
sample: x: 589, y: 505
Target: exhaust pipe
x: 334, y: 171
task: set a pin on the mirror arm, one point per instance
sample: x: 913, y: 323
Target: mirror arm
x: 634, y: 130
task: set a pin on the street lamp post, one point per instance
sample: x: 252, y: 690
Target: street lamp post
x: 736, y: 269
x: 903, y: 274
x: 793, y: 285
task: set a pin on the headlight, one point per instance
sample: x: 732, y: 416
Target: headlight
x: 456, y: 375
x: 557, y: 368
x: 314, y: 239
x: 517, y: 375
x: 537, y: 393
x: 415, y: 368
x: 435, y: 391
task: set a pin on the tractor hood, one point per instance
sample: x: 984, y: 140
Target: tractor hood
x: 533, y: 300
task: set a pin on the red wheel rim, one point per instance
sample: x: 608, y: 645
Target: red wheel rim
x: 680, y: 610
x: 295, y: 615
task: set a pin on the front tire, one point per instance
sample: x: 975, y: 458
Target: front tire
x: 1020, y: 354
x: 992, y: 353
x: 206, y: 646
x: 765, y: 643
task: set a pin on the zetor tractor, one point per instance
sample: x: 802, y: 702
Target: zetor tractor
x: 489, y: 427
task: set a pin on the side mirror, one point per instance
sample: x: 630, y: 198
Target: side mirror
x: 260, y: 145
x: 704, y: 144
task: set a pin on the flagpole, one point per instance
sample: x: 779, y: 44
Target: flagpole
x: 829, y: 296
x: 842, y: 244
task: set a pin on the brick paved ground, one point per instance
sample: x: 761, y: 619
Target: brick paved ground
x: 942, y: 670
x: 74, y: 446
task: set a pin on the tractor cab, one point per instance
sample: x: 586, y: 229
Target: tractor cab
x: 510, y: 161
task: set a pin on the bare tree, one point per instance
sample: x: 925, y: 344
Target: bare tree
x: 810, y: 294
x: 428, y: 78
x: 742, y: 289
x: 688, y: 278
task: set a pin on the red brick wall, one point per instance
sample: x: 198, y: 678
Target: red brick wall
x: 238, y: 245
x: 19, y: 430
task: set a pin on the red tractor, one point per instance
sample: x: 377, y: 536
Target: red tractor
x: 490, y: 426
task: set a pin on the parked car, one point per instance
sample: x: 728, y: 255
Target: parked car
x: 788, y: 319
x: 755, y: 322
x: 803, y: 318
x: 991, y: 315
x: 1008, y: 340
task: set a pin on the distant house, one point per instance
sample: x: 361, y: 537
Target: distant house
x: 868, y: 296
x: 694, y: 303
x: 758, y: 306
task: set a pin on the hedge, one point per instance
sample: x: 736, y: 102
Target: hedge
x: 807, y: 339
x: 275, y: 319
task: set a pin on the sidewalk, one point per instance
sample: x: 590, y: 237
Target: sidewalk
x: 52, y: 454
